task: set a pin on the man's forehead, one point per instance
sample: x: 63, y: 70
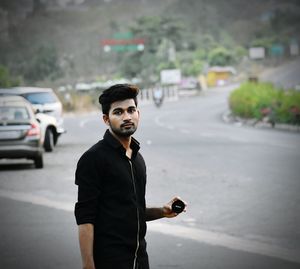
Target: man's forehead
x: 123, y: 104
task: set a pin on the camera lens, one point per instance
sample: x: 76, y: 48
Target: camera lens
x: 178, y: 206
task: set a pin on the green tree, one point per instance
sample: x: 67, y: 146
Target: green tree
x: 43, y: 65
x: 191, y: 63
x: 265, y: 42
x: 200, y: 54
x: 207, y: 43
x: 163, y: 38
x: 156, y: 29
x: 239, y: 53
x: 220, y: 56
x: 6, y: 81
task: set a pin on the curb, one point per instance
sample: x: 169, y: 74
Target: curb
x: 229, y: 118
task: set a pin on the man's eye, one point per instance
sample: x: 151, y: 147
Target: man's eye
x: 118, y: 112
x: 131, y: 110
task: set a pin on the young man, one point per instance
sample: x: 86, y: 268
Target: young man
x: 111, y: 176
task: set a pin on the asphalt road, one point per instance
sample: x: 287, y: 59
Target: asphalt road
x: 241, y: 184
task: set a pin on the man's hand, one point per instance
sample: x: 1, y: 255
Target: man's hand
x: 154, y: 213
x: 167, y: 208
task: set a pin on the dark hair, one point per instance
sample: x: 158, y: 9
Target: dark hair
x: 118, y: 92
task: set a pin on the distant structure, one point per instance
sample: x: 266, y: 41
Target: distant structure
x: 219, y: 75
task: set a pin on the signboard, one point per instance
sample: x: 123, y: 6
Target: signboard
x: 170, y: 76
x: 277, y: 50
x: 123, y: 42
x: 257, y: 53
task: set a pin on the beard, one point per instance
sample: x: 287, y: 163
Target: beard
x: 123, y: 131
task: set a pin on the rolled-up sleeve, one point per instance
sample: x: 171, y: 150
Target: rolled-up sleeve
x: 87, y: 179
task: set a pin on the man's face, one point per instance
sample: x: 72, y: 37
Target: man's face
x: 123, y: 118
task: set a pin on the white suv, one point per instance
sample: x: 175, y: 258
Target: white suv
x: 48, y: 110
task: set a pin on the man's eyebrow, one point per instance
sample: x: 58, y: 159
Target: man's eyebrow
x: 117, y: 108
x: 122, y: 109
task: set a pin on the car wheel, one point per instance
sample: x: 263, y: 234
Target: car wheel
x: 49, y: 140
x: 55, y: 139
x: 38, y: 162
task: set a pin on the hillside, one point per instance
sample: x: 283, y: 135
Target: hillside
x: 75, y: 28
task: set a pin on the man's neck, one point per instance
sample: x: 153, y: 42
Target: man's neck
x: 125, y: 141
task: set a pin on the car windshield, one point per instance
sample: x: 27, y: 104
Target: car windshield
x: 41, y: 98
x: 13, y: 113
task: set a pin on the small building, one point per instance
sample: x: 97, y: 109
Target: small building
x: 220, y: 75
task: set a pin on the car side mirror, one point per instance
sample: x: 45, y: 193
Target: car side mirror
x: 36, y: 111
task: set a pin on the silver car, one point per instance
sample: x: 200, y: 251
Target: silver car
x: 20, y: 134
x: 44, y: 101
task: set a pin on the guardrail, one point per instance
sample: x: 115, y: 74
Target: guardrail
x: 169, y: 93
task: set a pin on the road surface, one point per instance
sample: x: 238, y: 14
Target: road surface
x: 241, y: 184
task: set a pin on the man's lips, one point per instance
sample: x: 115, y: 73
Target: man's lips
x: 127, y: 125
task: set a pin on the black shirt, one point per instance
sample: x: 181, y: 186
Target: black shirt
x: 111, y: 195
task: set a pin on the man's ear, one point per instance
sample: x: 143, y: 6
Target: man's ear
x: 105, y: 119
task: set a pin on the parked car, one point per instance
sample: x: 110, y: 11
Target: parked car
x: 20, y: 135
x: 44, y: 101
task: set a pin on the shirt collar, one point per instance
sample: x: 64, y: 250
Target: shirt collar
x: 115, y: 143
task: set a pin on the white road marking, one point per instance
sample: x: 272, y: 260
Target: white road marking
x: 223, y: 240
x: 201, y: 236
x: 36, y: 200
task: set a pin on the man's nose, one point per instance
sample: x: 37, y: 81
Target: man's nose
x: 127, y: 116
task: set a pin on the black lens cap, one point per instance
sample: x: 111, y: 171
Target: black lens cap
x: 178, y: 206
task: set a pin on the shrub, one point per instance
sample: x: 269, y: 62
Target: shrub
x: 259, y: 100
